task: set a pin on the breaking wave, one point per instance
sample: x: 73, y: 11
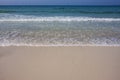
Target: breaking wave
x: 48, y: 31
x: 54, y: 18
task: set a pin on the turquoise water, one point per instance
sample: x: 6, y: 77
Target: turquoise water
x: 59, y: 25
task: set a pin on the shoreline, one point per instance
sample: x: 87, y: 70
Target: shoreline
x: 59, y: 45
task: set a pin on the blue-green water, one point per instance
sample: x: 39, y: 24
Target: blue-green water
x: 59, y: 25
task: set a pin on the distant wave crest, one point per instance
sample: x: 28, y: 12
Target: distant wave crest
x: 63, y: 10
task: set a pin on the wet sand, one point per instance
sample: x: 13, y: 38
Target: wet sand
x: 60, y: 63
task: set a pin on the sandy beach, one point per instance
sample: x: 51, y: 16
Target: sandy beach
x: 60, y: 63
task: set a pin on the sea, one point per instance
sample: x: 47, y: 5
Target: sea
x: 59, y: 25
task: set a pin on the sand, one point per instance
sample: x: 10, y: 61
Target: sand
x: 60, y: 63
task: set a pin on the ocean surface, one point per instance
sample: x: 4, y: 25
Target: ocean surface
x: 59, y: 25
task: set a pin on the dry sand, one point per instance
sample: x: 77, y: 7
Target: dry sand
x: 60, y: 63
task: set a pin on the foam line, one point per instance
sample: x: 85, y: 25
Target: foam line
x: 59, y: 19
x: 65, y: 45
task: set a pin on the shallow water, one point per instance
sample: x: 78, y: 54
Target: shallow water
x: 59, y: 25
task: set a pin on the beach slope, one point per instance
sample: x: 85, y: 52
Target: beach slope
x: 60, y: 63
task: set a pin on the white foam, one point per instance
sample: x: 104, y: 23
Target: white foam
x: 56, y: 45
x: 96, y: 42
x: 30, y: 45
x: 56, y: 18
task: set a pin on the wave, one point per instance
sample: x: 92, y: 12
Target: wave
x: 70, y: 11
x: 80, y: 11
x: 56, y: 18
x: 6, y: 11
x: 104, y: 12
x: 21, y: 41
x: 16, y: 35
x: 61, y: 10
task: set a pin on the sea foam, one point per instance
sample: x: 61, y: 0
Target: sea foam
x: 49, y: 31
x: 54, y: 18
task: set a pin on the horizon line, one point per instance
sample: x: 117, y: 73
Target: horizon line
x: 54, y: 5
